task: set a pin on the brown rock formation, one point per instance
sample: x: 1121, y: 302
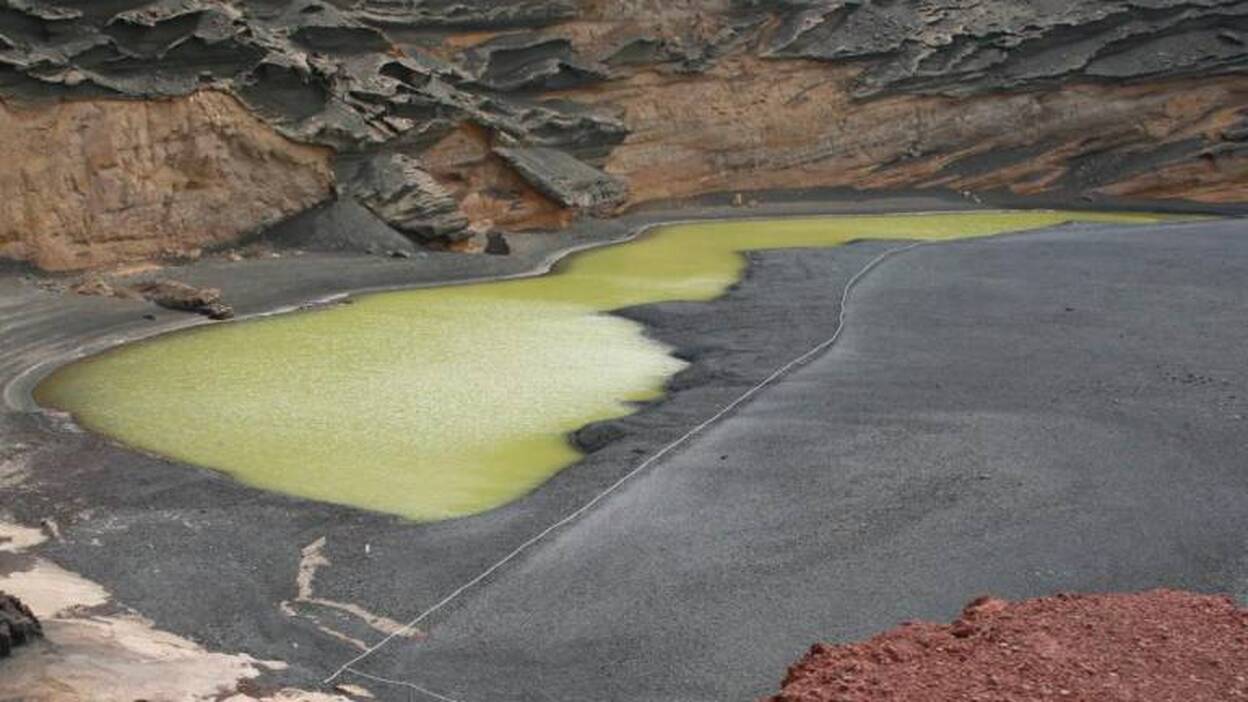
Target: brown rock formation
x: 451, y: 117
x: 175, y: 295
x: 95, y: 182
x: 754, y: 124
x: 486, y: 187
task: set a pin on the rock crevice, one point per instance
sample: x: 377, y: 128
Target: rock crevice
x: 587, y: 106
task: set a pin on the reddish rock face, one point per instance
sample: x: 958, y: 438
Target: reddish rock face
x: 1162, y: 645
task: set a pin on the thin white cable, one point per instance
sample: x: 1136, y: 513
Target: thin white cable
x: 745, y: 397
x: 401, y: 683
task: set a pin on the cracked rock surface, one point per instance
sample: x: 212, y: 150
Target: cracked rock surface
x: 965, y: 47
x: 523, y: 114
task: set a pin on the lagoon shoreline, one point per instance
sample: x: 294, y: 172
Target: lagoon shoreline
x: 121, y: 513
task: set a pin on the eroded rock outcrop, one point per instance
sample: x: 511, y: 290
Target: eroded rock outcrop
x: 94, y: 182
x: 175, y: 295
x: 463, y: 14
x: 1134, y: 99
x: 443, y: 115
x: 569, y: 182
x: 400, y: 192
x: 693, y: 135
x: 972, y: 47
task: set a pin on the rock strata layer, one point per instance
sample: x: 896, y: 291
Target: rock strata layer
x: 442, y: 116
x: 95, y: 182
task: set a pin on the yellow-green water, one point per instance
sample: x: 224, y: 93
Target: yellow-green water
x: 444, y: 402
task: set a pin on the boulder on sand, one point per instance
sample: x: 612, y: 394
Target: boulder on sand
x: 173, y: 295
x: 18, y: 624
x: 497, y: 245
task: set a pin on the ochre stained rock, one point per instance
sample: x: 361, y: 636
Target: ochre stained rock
x: 454, y: 117
x: 749, y: 123
x: 96, y: 182
x: 487, y: 188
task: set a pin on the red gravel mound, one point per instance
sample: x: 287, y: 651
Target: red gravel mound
x: 1153, y: 647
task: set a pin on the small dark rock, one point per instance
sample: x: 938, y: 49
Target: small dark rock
x: 18, y: 624
x: 398, y: 191
x: 218, y: 311
x: 962, y: 629
x: 596, y: 437
x: 496, y: 244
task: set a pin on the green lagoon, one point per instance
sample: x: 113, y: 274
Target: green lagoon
x: 445, y: 402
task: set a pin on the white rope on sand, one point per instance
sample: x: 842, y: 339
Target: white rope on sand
x: 401, y: 683
x: 655, y: 458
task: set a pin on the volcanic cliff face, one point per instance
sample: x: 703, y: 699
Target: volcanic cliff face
x: 94, y: 182
x: 443, y: 116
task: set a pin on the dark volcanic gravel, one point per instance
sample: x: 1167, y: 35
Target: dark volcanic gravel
x: 1155, y: 647
x: 925, y: 455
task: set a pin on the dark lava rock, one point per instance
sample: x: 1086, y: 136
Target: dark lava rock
x: 586, y: 133
x: 525, y: 62
x: 380, y: 83
x: 595, y: 437
x: 396, y: 189
x: 218, y: 311
x: 958, y: 48
x: 173, y: 295
x: 464, y: 14
x: 567, y: 181
x: 329, y: 73
x: 18, y: 624
x: 496, y: 244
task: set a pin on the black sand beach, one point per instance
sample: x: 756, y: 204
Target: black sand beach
x: 964, y: 436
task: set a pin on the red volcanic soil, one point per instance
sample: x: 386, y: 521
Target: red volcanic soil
x: 1158, y: 646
